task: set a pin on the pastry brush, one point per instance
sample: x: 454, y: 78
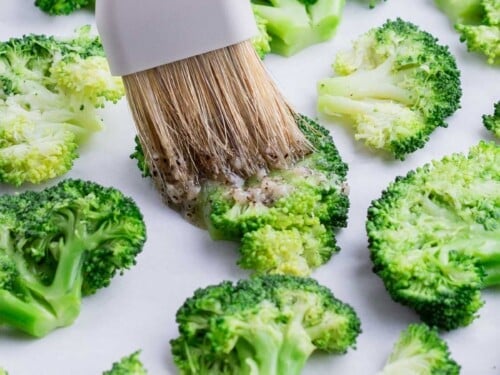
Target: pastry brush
x: 203, y: 103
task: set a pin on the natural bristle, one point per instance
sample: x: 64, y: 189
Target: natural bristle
x: 212, y: 116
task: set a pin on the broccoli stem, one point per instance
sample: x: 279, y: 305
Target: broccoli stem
x: 378, y: 83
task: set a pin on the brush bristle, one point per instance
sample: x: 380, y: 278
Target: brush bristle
x: 212, y: 116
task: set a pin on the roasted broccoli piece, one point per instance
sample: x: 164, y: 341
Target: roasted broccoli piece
x: 64, y: 7
x: 478, y: 23
x: 396, y: 85
x: 492, y: 122
x: 434, y: 236
x: 129, y: 365
x: 267, y: 325
x: 49, y: 92
x: 60, y: 244
x: 296, y: 24
x: 285, y: 219
x: 420, y: 351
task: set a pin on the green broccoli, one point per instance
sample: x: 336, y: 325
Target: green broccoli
x: 267, y: 325
x: 3, y: 372
x: 420, y: 351
x: 129, y: 365
x: 492, y: 122
x: 49, y: 91
x: 373, y: 3
x: 63, y: 7
x: 396, y: 85
x: 60, y: 244
x: 478, y: 23
x: 296, y: 24
x: 261, y: 42
x: 285, y: 219
x: 434, y: 236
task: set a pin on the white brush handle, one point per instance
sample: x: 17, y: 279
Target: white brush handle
x: 143, y: 34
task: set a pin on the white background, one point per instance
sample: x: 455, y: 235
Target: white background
x: 138, y: 309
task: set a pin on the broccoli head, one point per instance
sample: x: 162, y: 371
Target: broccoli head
x: 296, y: 24
x: 129, y: 365
x: 63, y: 7
x: 396, y: 85
x: 267, y: 325
x: 492, y: 122
x: 420, y: 350
x: 286, y: 218
x: 434, y: 236
x: 478, y: 23
x: 60, y: 244
x: 49, y: 92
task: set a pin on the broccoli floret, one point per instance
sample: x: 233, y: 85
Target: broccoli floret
x: 396, y: 85
x: 492, y: 122
x: 434, y: 236
x: 296, y: 24
x: 63, y: 7
x: 261, y: 42
x: 420, y: 350
x: 266, y: 325
x: 60, y: 244
x: 129, y: 365
x: 49, y: 91
x: 285, y: 219
x: 373, y: 3
x: 478, y: 23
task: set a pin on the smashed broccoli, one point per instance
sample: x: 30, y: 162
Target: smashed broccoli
x: 64, y: 7
x: 396, y: 85
x: 60, y: 244
x: 49, y: 92
x: 420, y: 351
x: 285, y: 219
x: 129, y: 365
x: 296, y: 24
x: 478, y: 23
x: 267, y: 325
x: 434, y: 236
x: 492, y: 122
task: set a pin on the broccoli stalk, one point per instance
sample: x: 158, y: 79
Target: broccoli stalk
x: 296, y: 24
x: 59, y: 245
x: 420, y: 350
x: 129, y: 365
x: 267, y: 325
x: 492, y: 122
x: 396, y: 85
x: 434, y: 236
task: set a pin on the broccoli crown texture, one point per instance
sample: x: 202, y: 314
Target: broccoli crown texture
x: 267, y: 325
x: 296, y: 24
x: 420, y: 350
x: 63, y: 7
x: 61, y: 243
x: 434, y: 236
x: 478, y: 23
x: 129, y: 365
x: 49, y: 92
x: 396, y: 85
x: 286, y: 218
x: 261, y: 42
x: 492, y: 122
